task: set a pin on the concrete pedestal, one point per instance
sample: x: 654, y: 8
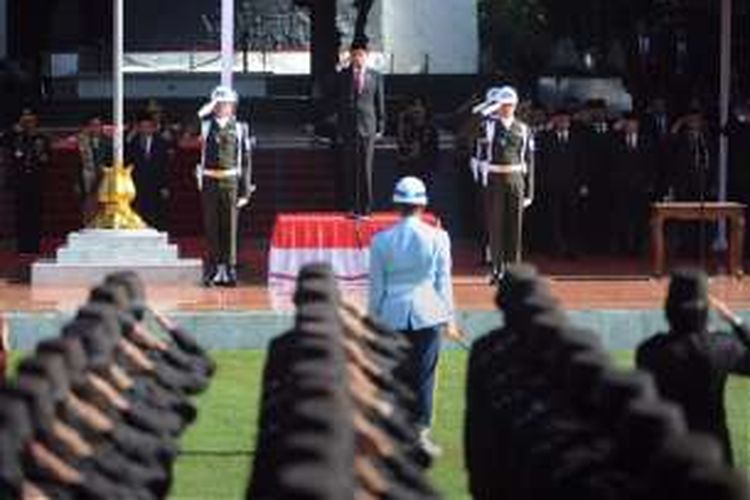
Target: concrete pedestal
x: 89, y: 255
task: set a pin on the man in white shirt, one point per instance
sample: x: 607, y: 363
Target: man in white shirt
x: 411, y: 292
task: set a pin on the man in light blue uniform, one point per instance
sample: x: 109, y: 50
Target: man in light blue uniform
x: 411, y: 292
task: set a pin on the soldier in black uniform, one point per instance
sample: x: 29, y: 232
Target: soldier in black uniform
x: 507, y: 166
x: 691, y: 364
x: 30, y: 155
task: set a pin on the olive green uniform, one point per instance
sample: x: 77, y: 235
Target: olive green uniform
x: 507, y: 169
x: 225, y: 174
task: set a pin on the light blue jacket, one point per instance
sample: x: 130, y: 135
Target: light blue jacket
x: 410, y: 276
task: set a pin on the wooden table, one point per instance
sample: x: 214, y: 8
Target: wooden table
x: 696, y: 211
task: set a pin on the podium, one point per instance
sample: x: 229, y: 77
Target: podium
x: 335, y: 238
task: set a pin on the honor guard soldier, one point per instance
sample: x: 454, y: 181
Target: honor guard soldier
x: 224, y: 179
x: 506, y: 165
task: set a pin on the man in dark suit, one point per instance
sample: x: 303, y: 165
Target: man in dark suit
x: 30, y: 157
x: 632, y: 178
x: 361, y: 120
x: 95, y: 149
x: 148, y: 152
x: 738, y: 130
x: 691, y: 176
x: 655, y: 127
x: 597, y: 145
x: 561, y: 181
x: 691, y: 364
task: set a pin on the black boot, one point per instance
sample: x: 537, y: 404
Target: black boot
x: 209, y: 276
x: 231, y: 276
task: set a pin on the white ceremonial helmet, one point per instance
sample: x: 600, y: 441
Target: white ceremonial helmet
x: 410, y: 191
x: 507, y: 95
x: 496, y: 97
x: 222, y: 93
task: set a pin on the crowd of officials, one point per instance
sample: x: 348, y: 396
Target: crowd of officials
x: 25, y: 153
x: 98, y: 411
x: 597, y: 171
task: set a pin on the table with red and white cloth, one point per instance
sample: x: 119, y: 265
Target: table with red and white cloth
x: 340, y: 240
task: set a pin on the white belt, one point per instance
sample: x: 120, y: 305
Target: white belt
x: 221, y: 174
x: 506, y: 169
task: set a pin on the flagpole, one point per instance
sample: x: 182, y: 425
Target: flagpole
x: 724, y: 98
x: 118, y: 84
x: 227, y: 41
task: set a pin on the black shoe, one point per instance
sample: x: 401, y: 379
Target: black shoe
x: 230, y: 280
x: 210, y: 277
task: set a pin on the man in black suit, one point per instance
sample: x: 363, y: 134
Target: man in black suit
x: 738, y: 130
x: 691, y: 364
x: 30, y: 157
x: 633, y: 180
x: 597, y: 146
x: 561, y: 180
x: 148, y: 152
x: 655, y: 127
x: 361, y: 120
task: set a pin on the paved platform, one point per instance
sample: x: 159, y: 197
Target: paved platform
x: 622, y: 311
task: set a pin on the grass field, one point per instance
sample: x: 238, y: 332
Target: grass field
x: 218, y: 448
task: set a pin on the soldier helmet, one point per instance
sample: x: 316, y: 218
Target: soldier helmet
x: 507, y: 95
x: 222, y: 93
x: 496, y: 97
x: 410, y: 191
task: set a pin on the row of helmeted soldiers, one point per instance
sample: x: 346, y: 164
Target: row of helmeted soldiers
x: 335, y: 420
x: 97, y: 411
x: 548, y: 416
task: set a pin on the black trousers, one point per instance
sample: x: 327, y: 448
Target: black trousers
x: 357, y: 155
x: 564, y: 218
x: 28, y: 213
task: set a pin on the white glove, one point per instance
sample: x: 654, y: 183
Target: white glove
x: 474, y: 165
x: 485, y: 170
x: 199, y: 177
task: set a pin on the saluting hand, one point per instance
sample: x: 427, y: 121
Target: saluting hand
x: 724, y: 312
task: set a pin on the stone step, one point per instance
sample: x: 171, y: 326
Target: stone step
x: 91, y: 254
x: 182, y: 272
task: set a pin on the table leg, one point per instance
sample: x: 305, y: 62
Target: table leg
x: 657, y: 244
x: 736, y: 245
